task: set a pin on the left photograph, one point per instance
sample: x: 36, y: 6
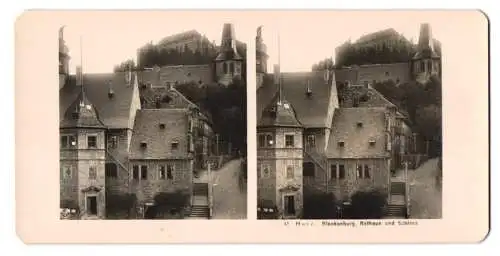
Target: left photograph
x: 152, y: 123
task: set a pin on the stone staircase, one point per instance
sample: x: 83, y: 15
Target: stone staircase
x: 199, y: 212
x: 200, y: 208
x: 396, y: 209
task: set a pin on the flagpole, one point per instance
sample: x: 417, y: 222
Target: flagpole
x: 279, y: 69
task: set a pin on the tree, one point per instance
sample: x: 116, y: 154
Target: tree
x: 320, y: 205
x: 368, y: 204
x: 120, y: 203
x: 169, y: 202
x: 124, y: 66
x: 428, y: 121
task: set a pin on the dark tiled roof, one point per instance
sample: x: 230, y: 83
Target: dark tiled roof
x: 311, y: 110
x: 367, y: 97
x: 160, y: 76
x: 230, y: 54
x: 81, y: 113
x: 278, y: 114
x: 114, y: 112
x: 425, y: 54
x: 356, y: 139
x: 158, y: 141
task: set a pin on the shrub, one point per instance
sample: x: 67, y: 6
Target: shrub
x: 320, y: 205
x: 368, y: 204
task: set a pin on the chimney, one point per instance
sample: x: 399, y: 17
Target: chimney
x: 277, y: 74
x: 327, y: 76
x: 79, y: 76
x: 111, y: 92
x: 128, y: 77
x: 308, y: 88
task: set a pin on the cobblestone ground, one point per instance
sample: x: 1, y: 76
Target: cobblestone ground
x: 230, y: 193
x: 425, y: 191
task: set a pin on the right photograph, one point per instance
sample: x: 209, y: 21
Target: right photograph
x: 349, y: 123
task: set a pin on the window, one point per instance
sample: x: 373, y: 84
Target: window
x: 162, y: 126
x: 311, y: 140
x: 262, y: 140
x: 341, y: 171
x: 265, y: 140
x: 67, y: 172
x: 68, y: 141
x: 231, y: 67
x: 135, y: 172
x: 289, y: 172
x: 422, y: 66
x: 308, y: 169
x: 359, y: 170
x: 359, y: 125
x: 92, y: 141
x: 333, y: 172
x: 110, y: 170
x: 341, y: 144
x: 174, y: 145
x: 92, y: 173
x: 386, y: 73
x: 224, y: 65
x: 367, y: 172
x: 266, y: 172
x: 289, y: 140
x: 144, y: 172
x: 170, y: 172
x: 161, y: 172
x: 371, y: 143
x: 144, y: 145
x: 112, y: 141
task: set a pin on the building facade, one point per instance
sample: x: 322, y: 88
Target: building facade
x: 131, y: 133
x: 344, y: 140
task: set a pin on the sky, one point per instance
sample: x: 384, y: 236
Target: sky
x: 305, y: 38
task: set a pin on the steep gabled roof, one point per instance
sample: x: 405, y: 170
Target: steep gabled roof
x: 158, y: 141
x: 278, y: 114
x: 114, y: 112
x: 311, y: 109
x: 357, y: 139
x: 81, y: 114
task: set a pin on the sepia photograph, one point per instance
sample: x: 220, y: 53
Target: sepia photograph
x: 349, y: 123
x: 297, y: 126
x: 159, y: 134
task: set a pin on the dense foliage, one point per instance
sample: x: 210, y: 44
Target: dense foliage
x: 423, y: 105
x: 227, y: 107
x: 120, y: 203
x: 369, y: 204
x: 319, y: 205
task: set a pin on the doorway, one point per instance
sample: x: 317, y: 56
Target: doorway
x: 92, y: 205
x: 289, y: 205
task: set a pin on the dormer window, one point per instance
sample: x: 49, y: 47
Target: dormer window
x: 174, y: 145
x: 359, y: 125
x: 162, y: 126
x: 371, y: 143
x: 144, y: 145
x: 111, y: 93
x: 340, y: 144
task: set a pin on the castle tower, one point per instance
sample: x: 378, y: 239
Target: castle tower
x: 83, y: 157
x: 280, y: 157
x: 63, y: 59
x: 228, y: 63
x: 426, y: 61
x: 261, y: 57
